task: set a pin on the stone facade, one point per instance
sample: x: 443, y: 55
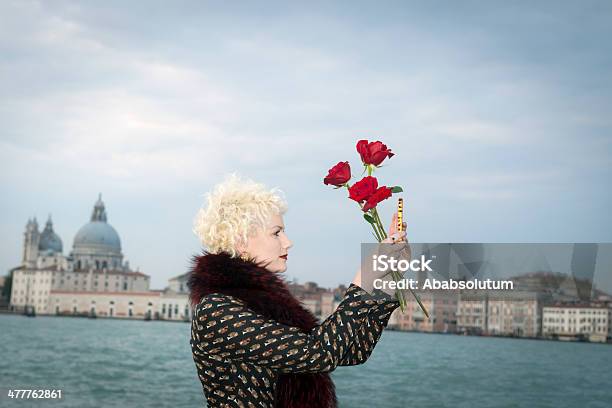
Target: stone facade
x: 574, y: 320
x: 514, y: 313
x: 93, y: 280
x: 441, y: 306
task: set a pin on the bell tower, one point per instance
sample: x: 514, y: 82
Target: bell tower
x: 30, y: 243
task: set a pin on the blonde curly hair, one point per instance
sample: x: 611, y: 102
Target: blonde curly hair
x: 233, y: 210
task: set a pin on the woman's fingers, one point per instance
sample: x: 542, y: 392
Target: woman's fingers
x: 393, y: 226
x: 400, y: 236
x: 396, y: 237
x: 393, y: 231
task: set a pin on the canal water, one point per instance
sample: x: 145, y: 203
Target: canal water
x: 122, y: 363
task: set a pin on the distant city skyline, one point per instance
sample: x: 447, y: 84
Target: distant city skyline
x: 498, y: 114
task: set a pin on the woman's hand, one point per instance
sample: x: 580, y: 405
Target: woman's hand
x: 399, y: 249
x: 394, y: 236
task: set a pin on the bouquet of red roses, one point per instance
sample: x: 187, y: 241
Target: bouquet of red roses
x: 368, y: 195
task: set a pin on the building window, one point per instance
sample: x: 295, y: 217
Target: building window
x: 124, y: 285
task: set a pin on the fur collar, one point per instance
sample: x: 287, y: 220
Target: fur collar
x: 265, y: 293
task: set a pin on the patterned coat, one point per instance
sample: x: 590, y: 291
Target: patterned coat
x: 255, y: 345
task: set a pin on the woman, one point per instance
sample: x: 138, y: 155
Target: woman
x: 253, y: 343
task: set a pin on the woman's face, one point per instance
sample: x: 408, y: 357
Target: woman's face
x: 269, y: 244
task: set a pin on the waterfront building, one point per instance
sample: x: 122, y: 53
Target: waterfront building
x: 105, y: 304
x: 514, y: 313
x: 93, y: 279
x: 562, y: 287
x: 178, y: 284
x: 441, y: 306
x: 322, y: 302
x: 578, y: 320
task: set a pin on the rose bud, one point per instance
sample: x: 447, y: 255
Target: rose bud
x: 338, y: 175
x: 379, y: 195
x: 363, y: 189
x: 373, y: 153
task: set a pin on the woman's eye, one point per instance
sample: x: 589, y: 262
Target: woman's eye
x: 276, y: 233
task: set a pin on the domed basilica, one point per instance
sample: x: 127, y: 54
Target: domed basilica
x: 93, y: 279
x: 96, y: 245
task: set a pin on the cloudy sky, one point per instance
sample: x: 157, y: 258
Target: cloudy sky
x: 499, y: 115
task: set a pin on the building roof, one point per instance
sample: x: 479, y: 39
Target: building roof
x: 181, y: 276
x: 86, y: 271
x: 49, y: 240
x: 581, y: 305
x: 68, y: 292
x: 97, y: 234
x: 502, y: 295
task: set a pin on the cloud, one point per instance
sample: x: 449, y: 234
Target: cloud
x: 503, y: 105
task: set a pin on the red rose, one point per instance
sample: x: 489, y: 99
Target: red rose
x: 374, y: 152
x: 363, y: 189
x: 382, y: 193
x: 338, y: 175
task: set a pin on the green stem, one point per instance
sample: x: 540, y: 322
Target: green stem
x: 419, y: 302
x: 376, y: 232
x: 379, y: 227
x: 379, y: 222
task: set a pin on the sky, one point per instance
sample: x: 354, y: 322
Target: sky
x: 499, y: 115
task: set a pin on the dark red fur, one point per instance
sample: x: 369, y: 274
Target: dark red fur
x: 265, y: 293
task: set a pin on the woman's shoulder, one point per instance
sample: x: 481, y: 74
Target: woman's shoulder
x: 213, y: 301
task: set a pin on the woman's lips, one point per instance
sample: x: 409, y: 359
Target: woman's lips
x: 284, y: 257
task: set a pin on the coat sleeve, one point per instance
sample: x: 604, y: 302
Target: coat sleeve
x: 369, y: 332
x: 225, y: 328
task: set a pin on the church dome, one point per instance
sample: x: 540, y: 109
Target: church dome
x: 98, y: 235
x: 49, y: 240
